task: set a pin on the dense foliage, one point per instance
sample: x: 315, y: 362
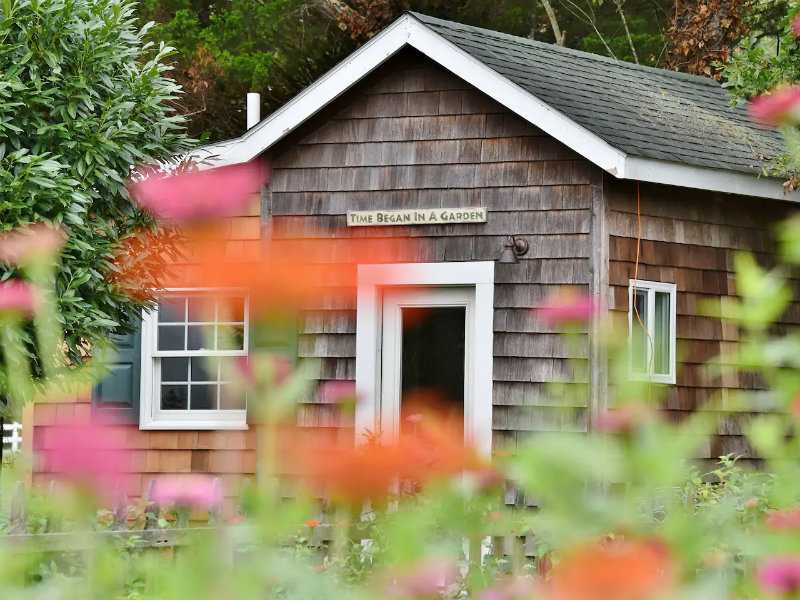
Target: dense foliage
x: 79, y: 106
x: 227, y: 48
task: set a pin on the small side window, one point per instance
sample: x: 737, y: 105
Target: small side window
x: 651, y: 326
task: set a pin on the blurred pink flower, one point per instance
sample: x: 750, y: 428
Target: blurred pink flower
x: 18, y: 297
x: 783, y: 520
x: 778, y: 106
x: 195, y: 490
x: 561, y: 309
x: 796, y: 26
x: 414, y: 418
x: 336, y: 392
x: 199, y: 195
x: 780, y: 575
x: 92, y: 454
x: 245, y: 369
x: 29, y: 243
x: 426, y: 579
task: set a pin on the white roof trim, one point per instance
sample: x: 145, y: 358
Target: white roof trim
x: 699, y: 178
x: 408, y: 31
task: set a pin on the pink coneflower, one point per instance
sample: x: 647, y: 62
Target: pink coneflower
x: 199, y: 195
x: 779, y: 106
x: 27, y: 244
x: 18, y: 298
x: 780, y: 575
x: 563, y: 309
x: 796, y: 26
x: 194, y: 490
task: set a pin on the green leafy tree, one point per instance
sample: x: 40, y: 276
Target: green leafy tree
x: 79, y: 106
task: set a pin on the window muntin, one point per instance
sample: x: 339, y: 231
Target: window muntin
x: 192, y: 338
x: 651, y: 324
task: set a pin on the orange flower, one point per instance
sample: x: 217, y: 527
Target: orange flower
x: 352, y: 475
x: 617, y: 570
x: 312, y: 523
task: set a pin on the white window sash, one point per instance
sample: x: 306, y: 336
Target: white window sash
x: 152, y: 417
x: 652, y: 288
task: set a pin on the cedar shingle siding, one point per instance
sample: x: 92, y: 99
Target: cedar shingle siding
x: 414, y: 136
x: 690, y: 238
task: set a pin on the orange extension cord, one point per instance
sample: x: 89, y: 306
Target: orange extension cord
x: 635, y: 279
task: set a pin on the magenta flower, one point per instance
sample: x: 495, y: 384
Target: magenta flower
x: 91, y: 454
x: 567, y: 309
x: 26, y: 244
x: 779, y: 106
x: 199, y: 195
x: 194, y: 490
x: 18, y: 298
x: 423, y: 580
x: 336, y: 392
x: 780, y: 575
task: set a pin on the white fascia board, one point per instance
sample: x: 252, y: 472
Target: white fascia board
x: 516, y: 99
x: 699, y: 178
x: 318, y: 95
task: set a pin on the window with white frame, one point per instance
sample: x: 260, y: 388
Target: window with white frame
x: 651, y: 325
x: 189, y: 345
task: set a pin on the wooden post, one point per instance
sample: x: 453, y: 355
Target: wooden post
x: 598, y: 286
x: 153, y: 510
x: 17, y: 512
x: 215, y: 510
x: 120, y: 508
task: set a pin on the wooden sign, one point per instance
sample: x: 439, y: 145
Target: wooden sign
x: 416, y: 216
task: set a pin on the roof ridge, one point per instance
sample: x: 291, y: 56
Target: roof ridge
x: 581, y: 53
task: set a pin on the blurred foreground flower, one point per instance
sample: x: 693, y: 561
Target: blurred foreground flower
x: 25, y: 245
x: 353, y: 475
x: 779, y: 106
x: 796, y: 26
x: 516, y: 589
x: 197, y: 195
x: 614, y: 570
x: 780, y: 575
x: 17, y: 298
x: 567, y: 308
x: 783, y: 520
x: 427, y: 579
x: 193, y: 490
x: 90, y: 454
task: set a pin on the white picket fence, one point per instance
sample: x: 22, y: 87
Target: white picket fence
x: 12, y: 436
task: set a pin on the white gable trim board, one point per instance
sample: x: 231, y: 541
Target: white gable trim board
x: 408, y: 31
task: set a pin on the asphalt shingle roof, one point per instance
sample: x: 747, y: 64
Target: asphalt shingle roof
x: 643, y: 111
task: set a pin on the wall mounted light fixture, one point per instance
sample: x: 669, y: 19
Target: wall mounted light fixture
x: 513, y: 249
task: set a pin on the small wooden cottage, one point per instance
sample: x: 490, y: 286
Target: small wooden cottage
x: 465, y: 137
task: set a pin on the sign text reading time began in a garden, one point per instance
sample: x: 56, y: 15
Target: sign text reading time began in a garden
x: 416, y: 216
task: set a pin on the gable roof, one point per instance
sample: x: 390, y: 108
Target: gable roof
x: 635, y: 122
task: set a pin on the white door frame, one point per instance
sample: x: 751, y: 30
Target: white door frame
x: 372, y: 280
x: 394, y: 300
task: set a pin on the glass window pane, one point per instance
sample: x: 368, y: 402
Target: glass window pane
x: 200, y: 337
x: 170, y: 337
x: 201, y: 309
x: 174, y: 369
x: 172, y: 310
x: 231, y: 309
x: 204, y: 369
x: 204, y: 397
x: 229, y: 399
x: 639, y: 341
x: 174, y: 397
x: 230, y: 337
x: 662, y: 334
